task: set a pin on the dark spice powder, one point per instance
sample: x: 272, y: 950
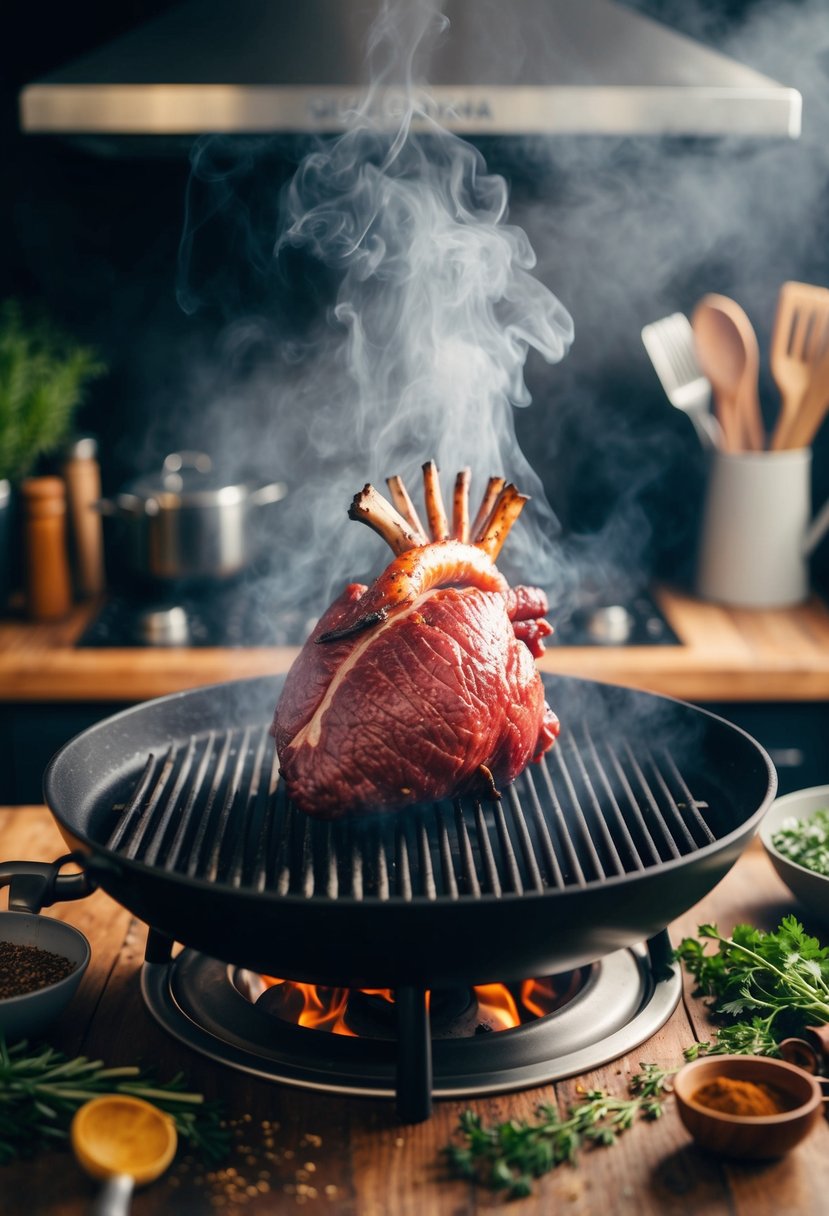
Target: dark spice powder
x: 28, y: 968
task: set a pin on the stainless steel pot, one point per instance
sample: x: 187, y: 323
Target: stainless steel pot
x: 186, y: 523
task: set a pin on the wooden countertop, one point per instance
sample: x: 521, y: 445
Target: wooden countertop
x: 351, y: 1156
x: 727, y: 654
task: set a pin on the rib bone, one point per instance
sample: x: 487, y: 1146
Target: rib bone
x: 460, y: 507
x: 494, y: 487
x: 508, y: 506
x: 435, y: 510
x: 370, y: 507
x: 403, y: 503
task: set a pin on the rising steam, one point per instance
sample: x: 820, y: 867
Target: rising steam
x: 421, y: 348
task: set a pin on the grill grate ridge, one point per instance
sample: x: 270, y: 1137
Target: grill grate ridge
x: 213, y: 808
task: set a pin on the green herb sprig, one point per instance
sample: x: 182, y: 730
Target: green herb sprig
x: 508, y: 1156
x: 40, y: 1090
x: 779, y: 979
x: 43, y: 377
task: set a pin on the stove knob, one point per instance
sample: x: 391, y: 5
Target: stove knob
x: 611, y: 625
x: 164, y: 627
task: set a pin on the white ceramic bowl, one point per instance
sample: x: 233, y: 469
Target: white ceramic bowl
x: 28, y: 1015
x: 811, y: 889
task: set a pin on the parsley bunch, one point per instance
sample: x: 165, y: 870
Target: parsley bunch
x: 507, y: 1156
x: 764, y: 985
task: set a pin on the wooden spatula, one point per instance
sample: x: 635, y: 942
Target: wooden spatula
x: 813, y: 406
x: 801, y: 328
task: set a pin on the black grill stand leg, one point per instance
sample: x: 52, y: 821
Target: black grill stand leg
x: 159, y: 948
x: 414, y: 1056
x: 661, y: 955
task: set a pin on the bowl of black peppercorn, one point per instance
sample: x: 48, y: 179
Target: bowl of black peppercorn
x: 42, y: 962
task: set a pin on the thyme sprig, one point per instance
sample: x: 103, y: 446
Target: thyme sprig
x: 508, y: 1156
x: 40, y: 1090
x: 779, y: 979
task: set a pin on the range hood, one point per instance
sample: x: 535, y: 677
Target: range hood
x: 503, y: 67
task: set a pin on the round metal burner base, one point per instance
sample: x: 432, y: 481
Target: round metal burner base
x: 617, y: 1009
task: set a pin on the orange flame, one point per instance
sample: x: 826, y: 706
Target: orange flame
x: 322, y: 1008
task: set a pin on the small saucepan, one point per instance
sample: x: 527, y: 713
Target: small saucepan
x: 188, y: 523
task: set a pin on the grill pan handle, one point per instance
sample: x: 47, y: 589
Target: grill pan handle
x: 36, y: 884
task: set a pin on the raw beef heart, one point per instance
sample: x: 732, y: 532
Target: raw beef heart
x: 422, y: 685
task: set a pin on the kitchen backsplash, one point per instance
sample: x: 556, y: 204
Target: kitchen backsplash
x: 625, y: 232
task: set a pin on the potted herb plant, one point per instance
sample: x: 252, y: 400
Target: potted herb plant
x: 43, y: 375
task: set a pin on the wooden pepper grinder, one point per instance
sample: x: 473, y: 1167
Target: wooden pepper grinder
x: 82, y: 475
x: 48, y: 585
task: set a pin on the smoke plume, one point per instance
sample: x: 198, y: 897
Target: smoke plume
x: 427, y: 308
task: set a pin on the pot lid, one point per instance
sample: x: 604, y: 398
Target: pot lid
x: 189, y: 479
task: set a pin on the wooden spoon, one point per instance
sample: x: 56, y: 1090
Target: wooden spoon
x: 729, y: 355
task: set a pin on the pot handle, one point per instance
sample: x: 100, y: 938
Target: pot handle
x: 816, y: 529
x: 272, y: 492
x: 34, y: 885
x: 130, y: 506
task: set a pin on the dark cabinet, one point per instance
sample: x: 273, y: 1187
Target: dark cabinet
x: 31, y: 733
x: 794, y: 733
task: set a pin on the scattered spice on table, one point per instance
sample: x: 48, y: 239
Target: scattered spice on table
x: 25, y: 968
x: 258, y: 1164
x: 731, y: 1096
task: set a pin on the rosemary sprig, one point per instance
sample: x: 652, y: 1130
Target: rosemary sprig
x: 40, y: 1090
x: 508, y: 1156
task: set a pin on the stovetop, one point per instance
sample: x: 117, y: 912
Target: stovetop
x: 234, y: 616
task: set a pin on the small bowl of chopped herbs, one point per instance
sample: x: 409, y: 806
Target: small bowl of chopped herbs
x: 795, y: 833
x: 42, y: 961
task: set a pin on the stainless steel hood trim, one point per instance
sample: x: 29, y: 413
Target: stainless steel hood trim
x: 190, y: 109
x: 500, y: 67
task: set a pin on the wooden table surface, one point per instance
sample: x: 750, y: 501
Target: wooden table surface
x: 727, y: 654
x: 294, y: 1149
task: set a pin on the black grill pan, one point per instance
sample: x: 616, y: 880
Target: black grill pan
x: 636, y: 813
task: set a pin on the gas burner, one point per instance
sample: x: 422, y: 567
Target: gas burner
x: 372, y: 1012
x: 234, y: 615
x: 599, y: 1012
x: 633, y: 621
x: 228, y: 616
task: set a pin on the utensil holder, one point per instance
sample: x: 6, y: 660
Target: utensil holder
x: 756, y: 534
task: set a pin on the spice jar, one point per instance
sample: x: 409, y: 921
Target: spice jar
x: 48, y: 587
x: 82, y: 475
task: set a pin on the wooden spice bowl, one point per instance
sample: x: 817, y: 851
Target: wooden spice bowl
x: 749, y: 1136
x: 28, y: 1014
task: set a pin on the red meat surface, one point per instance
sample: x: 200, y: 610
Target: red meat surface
x: 417, y: 688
